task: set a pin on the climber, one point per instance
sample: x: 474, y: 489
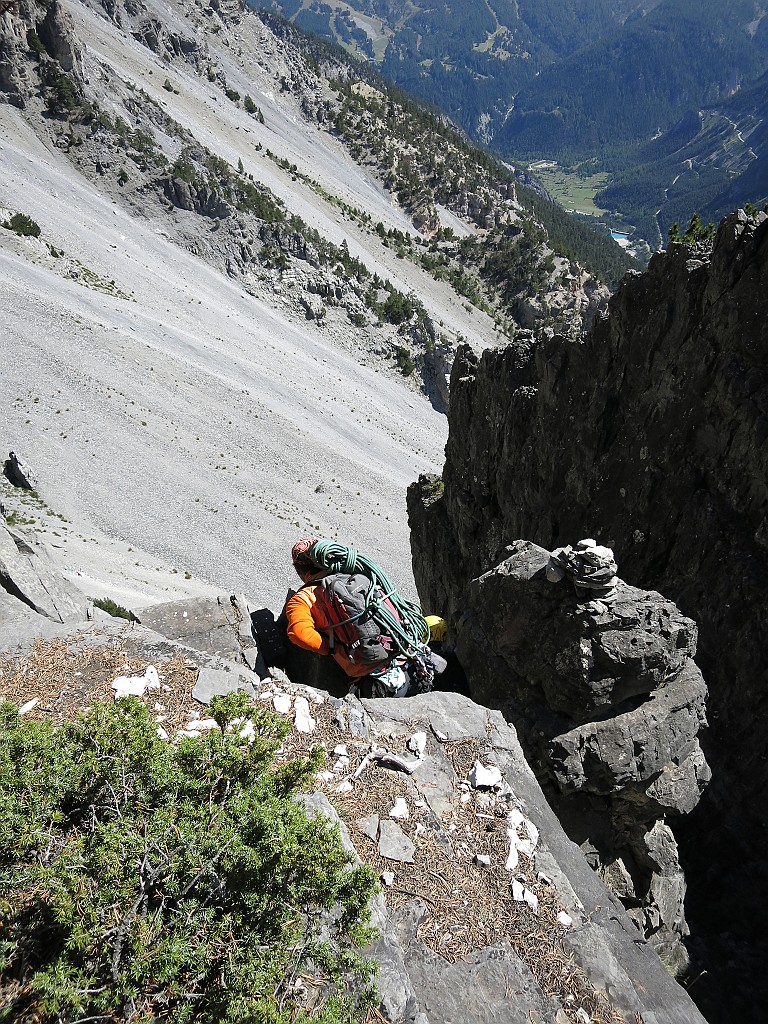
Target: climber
x: 452, y: 677
x: 348, y: 608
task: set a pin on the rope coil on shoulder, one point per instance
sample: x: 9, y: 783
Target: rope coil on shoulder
x: 410, y: 631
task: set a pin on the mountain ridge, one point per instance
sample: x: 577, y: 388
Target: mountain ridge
x: 596, y: 90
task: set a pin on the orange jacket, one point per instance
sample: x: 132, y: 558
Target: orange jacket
x: 306, y: 618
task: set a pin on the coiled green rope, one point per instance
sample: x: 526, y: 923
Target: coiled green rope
x: 410, y: 631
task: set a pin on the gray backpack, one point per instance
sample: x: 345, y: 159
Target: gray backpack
x: 351, y: 604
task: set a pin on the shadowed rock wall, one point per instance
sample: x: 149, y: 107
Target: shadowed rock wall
x: 651, y: 436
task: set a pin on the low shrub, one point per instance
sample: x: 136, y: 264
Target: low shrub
x: 141, y: 881
x: 405, y: 361
x: 112, y: 608
x: 22, y: 225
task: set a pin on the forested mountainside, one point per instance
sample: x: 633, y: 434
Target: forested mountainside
x: 426, y: 163
x: 637, y: 80
x: 711, y: 161
x: 469, y: 59
x: 659, y: 95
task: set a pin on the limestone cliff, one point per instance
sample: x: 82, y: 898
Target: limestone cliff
x: 649, y: 434
x: 36, y: 45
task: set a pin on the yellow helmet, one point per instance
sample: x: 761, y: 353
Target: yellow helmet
x: 438, y: 630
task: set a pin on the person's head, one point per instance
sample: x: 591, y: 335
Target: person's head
x: 301, y: 554
x: 438, y: 628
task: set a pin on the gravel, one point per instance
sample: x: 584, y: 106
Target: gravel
x: 189, y: 431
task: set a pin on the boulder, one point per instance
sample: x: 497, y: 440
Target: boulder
x: 28, y: 574
x: 18, y: 473
x: 204, y: 623
x: 588, y: 655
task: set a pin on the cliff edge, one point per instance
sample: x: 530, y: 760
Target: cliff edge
x: 648, y: 434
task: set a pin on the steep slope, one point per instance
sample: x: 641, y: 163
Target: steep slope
x: 710, y: 162
x: 215, y: 274
x: 649, y: 435
x: 469, y: 59
x: 191, y: 407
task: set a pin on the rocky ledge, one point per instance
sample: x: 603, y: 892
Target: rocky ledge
x: 487, y: 911
x: 650, y: 433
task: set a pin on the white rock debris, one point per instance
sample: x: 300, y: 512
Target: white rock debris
x: 340, y: 750
x: 417, y: 743
x: 304, y: 721
x: 248, y: 731
x: 483, y: 860
x: 522, y: 895
x: 161, y: 733
x: 388, y: 877
x: 136, y: 686
x: 203, y: 724
x: 482, y: 777
x: 565, y: 919
x: 345, y: 787
x: 324, y: 776
x: 517, y: 844
x: 28, y: 705
x: 400, y: 810
x: 282, y: 703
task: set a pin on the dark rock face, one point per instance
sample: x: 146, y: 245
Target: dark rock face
x: 18, y: 473
x: 651, y: 435
x: 608, y: 705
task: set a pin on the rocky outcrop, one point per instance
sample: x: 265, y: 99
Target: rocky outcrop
x: 487, y: 911
x: 33, y: 36
x: 650, y: 434
x: 18, y: 473
x: 608, y: 705
x: 200, y: 199
x: 28, y: 575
